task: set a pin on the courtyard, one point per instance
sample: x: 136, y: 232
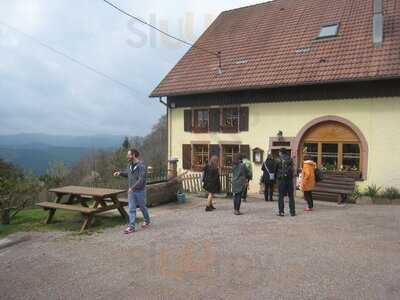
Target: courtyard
x: 336, y: 252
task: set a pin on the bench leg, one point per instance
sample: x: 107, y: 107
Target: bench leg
x: 120, y: 208
x: 86, y: 222
x: 52, y: 211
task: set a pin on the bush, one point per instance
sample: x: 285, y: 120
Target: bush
x: 372, y: 191
x: 17, y: 194
x: 391, y: 193
x: 357, y: 194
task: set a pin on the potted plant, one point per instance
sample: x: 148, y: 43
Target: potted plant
x: 390, y: 195
x: 180, y: 195
x: 372, y: 192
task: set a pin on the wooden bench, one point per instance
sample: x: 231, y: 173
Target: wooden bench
x: 334, y: 188
x: 53, y: 205
x: 103, y: 200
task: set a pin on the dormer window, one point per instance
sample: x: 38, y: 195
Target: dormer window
x: 329, y: 31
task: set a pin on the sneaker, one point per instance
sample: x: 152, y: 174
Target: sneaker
x: 129, y: 230
x: 212, y: 207
x: 146, y: 224
x: 293, y: 215
x: 308, y: 209
x: 238, y: 213
x: 281, y: 214
x: 209, y: 208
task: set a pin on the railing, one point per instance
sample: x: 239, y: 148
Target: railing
x: 158, y: 177
x: 192, y: 182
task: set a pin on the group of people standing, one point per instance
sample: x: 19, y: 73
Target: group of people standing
x: 278, y: 171
x: 275, y: 171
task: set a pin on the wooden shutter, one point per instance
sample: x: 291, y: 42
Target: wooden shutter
x: 215, y: 120
x: 245, y: 149
x: 187, y: 156
x: 188, y: 120
x: 214, y: 150
x: 244, y: 119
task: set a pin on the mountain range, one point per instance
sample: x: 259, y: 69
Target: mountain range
x: 34, y: 152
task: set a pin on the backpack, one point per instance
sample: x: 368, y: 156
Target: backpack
x: 318, y: 175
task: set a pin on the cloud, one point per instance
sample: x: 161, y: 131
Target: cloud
x: 41, y: 91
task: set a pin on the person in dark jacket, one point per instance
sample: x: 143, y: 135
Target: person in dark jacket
x: 268, y: 178
x: 136, y: 173
x: 247, y: 162
x: 285, y: 174
x: 211, y: 181
x: 240, y: 180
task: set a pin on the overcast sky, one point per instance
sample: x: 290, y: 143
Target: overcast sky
x: 42, y: 92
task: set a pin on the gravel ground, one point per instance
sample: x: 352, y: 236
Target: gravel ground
x: 350, y: 252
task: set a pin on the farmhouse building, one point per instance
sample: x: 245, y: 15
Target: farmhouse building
x: 314, y: 76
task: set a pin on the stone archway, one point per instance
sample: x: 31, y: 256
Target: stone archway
x: 321, y: 120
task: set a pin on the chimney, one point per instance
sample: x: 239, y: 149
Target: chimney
x: 378, y: 24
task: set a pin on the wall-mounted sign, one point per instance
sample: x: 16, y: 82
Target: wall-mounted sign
x: 258, y: 156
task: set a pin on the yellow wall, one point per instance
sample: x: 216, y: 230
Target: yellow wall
x: 378, y: 119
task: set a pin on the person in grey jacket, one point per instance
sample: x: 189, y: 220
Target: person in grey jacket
x: 136, y: 173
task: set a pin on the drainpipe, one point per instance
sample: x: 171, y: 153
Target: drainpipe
x: 168, y: 107
x: 377, y: 32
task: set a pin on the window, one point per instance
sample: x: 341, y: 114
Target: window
x: 334, y: 156
x: 201, y: 118
x: 200, y: 156
x: 330, y: 156
x: 311, y: 151
x: 228, y: 151
x: 230, y: 119
x: 328, y: 31
x: 226, y: 120
x: 351, y: 157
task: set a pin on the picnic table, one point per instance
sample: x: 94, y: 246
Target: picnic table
x: 103, y: 200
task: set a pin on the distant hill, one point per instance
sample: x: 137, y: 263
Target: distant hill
x: 37, y: 159
x: 95, y: 141
x: 35, y: 151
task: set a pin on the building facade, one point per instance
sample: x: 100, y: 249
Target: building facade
x: 329, y: 88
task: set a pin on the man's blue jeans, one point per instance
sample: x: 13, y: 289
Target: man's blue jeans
x: 137, y: 199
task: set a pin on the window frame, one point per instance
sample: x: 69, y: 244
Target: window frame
x: 231, y: 154
x: 195, y: 125
x: 340, y: 154
x: 204, y: 154
x: 319, y: 37
x: 234, y: 128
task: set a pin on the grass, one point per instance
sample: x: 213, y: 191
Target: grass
x: 32, y: 220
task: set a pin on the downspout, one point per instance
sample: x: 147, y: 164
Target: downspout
x: 377, y: 31
x: 168, y: 126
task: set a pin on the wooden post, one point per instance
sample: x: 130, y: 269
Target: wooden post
x: 172, y: 168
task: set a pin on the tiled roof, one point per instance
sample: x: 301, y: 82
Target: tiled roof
x: 274, y: 44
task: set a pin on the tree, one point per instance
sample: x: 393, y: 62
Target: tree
x: 125, y: 144
x: 16, y: 193
x: 8, y: 170
x: 56, y: 174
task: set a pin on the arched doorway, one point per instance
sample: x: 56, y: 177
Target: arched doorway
x: 335, y: 144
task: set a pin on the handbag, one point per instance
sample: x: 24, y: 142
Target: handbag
x: 271, y: 175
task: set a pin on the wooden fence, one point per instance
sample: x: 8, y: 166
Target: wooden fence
x: 192, y: 182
